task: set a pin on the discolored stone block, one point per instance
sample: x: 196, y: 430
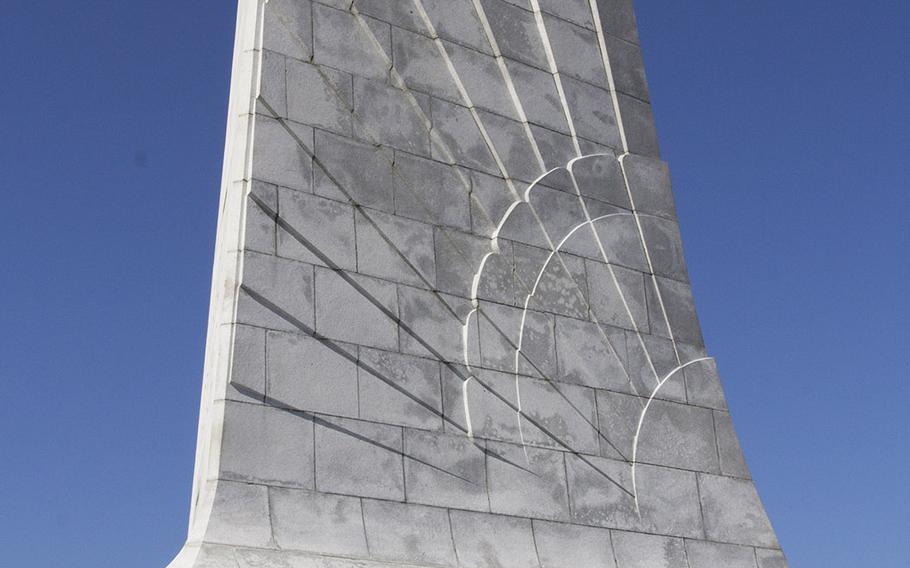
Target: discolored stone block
x: 493, y: 541
x: 287, y: 457
x: 316, y: 230
x: 562, y: 545
x: 305, y: 373
x: 317, y: 522
x: 359, y: 458
x: 358, y: 45
x: 408, y: 533
x: 446, y: 470
x: 733, y: 512
x: 637, y: 550
x: 712, y: 554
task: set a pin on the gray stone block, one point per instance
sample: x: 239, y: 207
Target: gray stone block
x: 516, y: 33
x: 317, y: 522
x: 558, y: 286
x: 482, y: 79
x: 618, y: 416
x: 500, y: 329
x: 601, y: 494
x: 560, y: 415
x: 628, y: 67
x: 387, y: 115
x: 491, y: 402
x: 676, y: 299
x: 562, y: 545
x: 618, y: 19
x: 668, y: 499
x: 395, y: 248
x: 731, y: 455
x: 248, y: 368
x: 665, y: 247
x: 305, y: 373
x: 556, y: 148
x: 422, y: 67
x: 434, y: 324
x: 260, y: 224
x: 456, y: 20
x: 262, y: 444
x: 288, y: 28
x: 359, y: 458
x: 445, y: 470
x: 537, y: 92
x: 432, y: 192
x: 621, y: 241
x: 601, y: 178
x: 638, y: 124
x: 342, y: 42
x: 649, y: 182
x: 273, y: 84
x: 583, y: 350
x: 280, y: 158
x: 374, y: 304
x: 401, y: 532
x: 714, y: 555
x: 592, y: 112
x: 320, y: 96
x: 277, y: 293
x: 370, y: 183
x: 401, y: 14
x: 647, y: 350
x: 323, y: 230
x: 702, y: 381
x: 527, y: 482
x: 637, y: 550
x: 575, y: 11
x: 240, y: 515
x: 415, y: 400
x: 678, y: 435
x: 458, y: 256
x: 460, y: 137
x: 771, y: 559
x: 547, y: 218
x: 612, y: 305
x: 576, y: 50
x: 493, y: 541
x: 733, y: 512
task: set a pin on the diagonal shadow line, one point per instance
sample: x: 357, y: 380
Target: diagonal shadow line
x: 303, y: 327
x: 266, y: 303
x: 316, y: 419
x: 343, y: 274
x: 284, y: 224
x: 555, y: 387
x: 382, y: 308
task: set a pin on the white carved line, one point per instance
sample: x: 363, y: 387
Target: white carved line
x: 507, y: 78
x: 608, y: 71
x: 450, y: 66
x: 644, y: 244
x: 554, y: 69
x: 641, y: 421
x: 609, y: 264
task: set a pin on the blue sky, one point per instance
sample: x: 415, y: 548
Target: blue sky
x: 786, y: 129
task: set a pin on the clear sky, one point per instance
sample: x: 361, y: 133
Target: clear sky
x: 787, y: 130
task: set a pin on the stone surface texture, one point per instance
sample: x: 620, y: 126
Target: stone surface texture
x: 451, y: 323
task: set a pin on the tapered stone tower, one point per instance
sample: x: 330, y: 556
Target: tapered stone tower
x: 451, y: 323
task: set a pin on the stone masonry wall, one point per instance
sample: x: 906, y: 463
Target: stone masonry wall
x: 451, y: 321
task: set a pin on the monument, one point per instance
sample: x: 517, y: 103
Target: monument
x: 451, y: 323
